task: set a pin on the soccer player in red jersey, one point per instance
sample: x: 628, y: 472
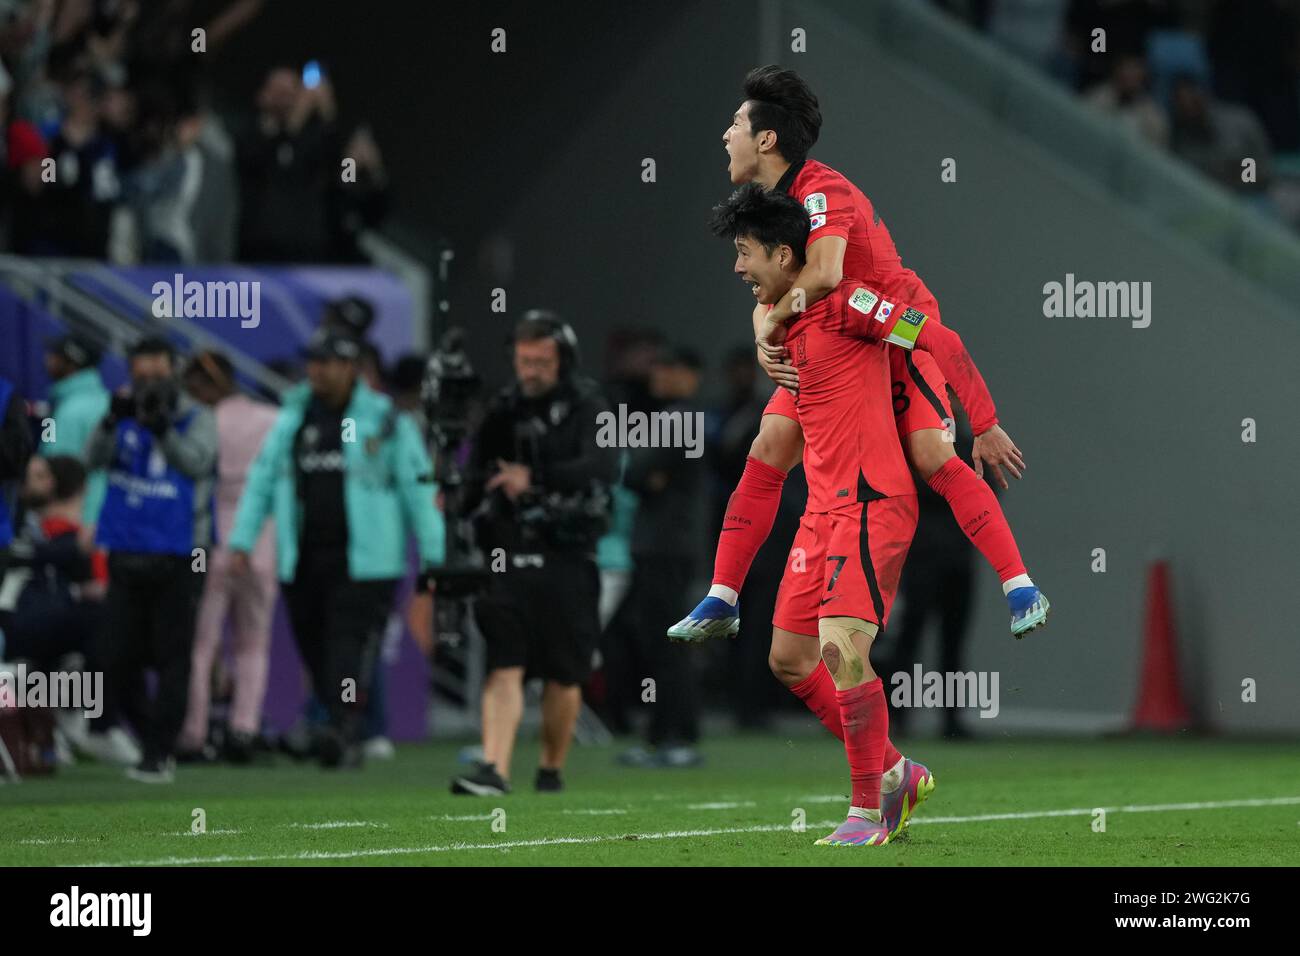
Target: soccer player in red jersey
x: 862, y: 509
x: 768, y: 143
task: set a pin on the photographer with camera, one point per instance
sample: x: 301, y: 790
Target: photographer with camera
x: 541, y: 484
x: 160, y: 451
x: 348, y: 480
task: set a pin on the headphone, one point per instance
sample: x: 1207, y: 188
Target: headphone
x: 560, y: 332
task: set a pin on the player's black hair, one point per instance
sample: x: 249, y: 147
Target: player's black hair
x: 781, y: 101
x: 152, y: 345
x: 771, y: 217
x: 69, y: 476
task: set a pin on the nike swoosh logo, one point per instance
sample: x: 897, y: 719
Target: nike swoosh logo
x: 829, y: 599
x: 735, y: 527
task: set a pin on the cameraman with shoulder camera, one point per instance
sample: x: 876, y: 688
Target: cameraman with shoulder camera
x: 160, y: 451
x: 541, y: 481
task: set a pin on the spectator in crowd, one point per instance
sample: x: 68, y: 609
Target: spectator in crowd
x: 1255, y: 52
x: 357, y: 204
x: 78, y: 402
x: 1124, y: 95
x: 51, y: 603
x: 22, y: 150
x: 670, y: 488
x: 160, y: 450
x: 286, y: 164
x: 15, y: 449
x: 52, y: 599
x: 246, y: 601
x: 1125, y: 26
x: 348, y: 480
x: 77, y: 202
x: 1216, y: 137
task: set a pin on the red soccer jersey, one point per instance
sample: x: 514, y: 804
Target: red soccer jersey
x: 836, y: 207
x: 851, y: 448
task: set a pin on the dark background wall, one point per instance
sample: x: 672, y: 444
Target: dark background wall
x: 530, y: 163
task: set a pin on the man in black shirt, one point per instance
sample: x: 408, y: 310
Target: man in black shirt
x: 541, y: 479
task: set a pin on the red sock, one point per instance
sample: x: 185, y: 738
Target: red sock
x: 748, y: 521
x: 817, y: 690
x: 866, y: 726
x: 892, y: 756
x: 979, y: 515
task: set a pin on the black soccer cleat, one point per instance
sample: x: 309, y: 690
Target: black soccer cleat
x: 548, y: 780
x: 483, y: 781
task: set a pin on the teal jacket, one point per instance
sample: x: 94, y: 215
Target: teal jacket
x: 77, y: 404
x: 387, y: 491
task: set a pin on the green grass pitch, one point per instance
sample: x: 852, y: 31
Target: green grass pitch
x: 1169, y: 802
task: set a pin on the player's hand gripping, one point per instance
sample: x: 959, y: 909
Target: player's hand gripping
x: 996, y: 449
x: 773, y: 356
x: 779, y: 370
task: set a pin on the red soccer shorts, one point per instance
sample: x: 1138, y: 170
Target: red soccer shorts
x: 918, y: 389
x: 846, y: 563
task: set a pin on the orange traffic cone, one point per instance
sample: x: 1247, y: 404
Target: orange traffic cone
x: 1160, y: 704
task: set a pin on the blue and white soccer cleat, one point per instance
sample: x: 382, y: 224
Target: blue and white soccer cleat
x: 712, y: 617
x: 1029, y: 607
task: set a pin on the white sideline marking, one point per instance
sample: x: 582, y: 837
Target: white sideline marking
x: 40, y: 842
x: 1132, y: 808
x: 596, y: 813
x: 191, y: 833
x: 336, y: 825
x: 465, y: 818
x: 720, y: 806
x: 679, y: 834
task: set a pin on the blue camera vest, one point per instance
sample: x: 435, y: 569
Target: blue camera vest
x: 149, y: 507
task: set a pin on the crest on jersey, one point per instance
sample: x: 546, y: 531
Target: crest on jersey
x: 864, y: 300
x: 816, y: 222
x: 886, y: 310
x: 815, y: 203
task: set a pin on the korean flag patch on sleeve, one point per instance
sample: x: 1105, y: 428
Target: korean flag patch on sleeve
x: 816, y: 222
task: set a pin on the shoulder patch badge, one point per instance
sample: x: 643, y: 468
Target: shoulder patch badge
x: 816, y: 222
x: 864, y: 300
x: 886, y: 310
x: 815, y: 203
x: 912, y: 317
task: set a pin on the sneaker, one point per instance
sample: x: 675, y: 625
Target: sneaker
x: 898, y: 806
x: 240, y: 746
x: 678, y: 757
x: 856, y: 831
x: 548, y: 780
x: 336, y: 752
x: 113, y: 746
x: 712, y: 617
x: 1029, y: 607
x: 636, y: 757
x: 483, y: 781
x: 154, y: 770
x: 379, y: 748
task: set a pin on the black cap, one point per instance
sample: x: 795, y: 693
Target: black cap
x: 327, y: 344
x: 77, y: 349
x: 351, y: 315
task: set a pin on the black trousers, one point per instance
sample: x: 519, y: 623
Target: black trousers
x: 636, y: 648
x: 152, y: 603
x: 936, y: 582
x: 338, y: 625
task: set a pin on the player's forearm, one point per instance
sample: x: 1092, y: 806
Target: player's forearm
x: 814, y: 281
x: 946, y: 348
